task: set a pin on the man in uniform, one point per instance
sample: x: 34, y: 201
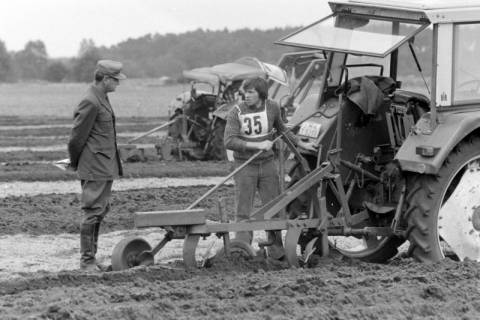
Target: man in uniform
x: 94, y: 155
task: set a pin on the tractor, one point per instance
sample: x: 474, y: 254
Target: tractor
x: 197, y: 117
x: 405, y: 153
x: 395, y: 116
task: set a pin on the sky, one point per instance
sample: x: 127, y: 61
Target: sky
x: 62, y: 24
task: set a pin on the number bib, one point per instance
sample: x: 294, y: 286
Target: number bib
x: 254, y: 125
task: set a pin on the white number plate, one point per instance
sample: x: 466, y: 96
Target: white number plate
x: 310, y: 129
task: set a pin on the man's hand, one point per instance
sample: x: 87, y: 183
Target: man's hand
x: 307, y: 145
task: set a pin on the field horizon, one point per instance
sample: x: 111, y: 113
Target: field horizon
x: 139, y: 98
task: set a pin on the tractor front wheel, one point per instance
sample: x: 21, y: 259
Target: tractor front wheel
x: 443, y: 211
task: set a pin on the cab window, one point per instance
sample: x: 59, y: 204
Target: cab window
x: 466, y: 63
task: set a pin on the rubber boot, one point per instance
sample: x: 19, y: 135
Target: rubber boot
x: 99, y: 266
x: 276, y: 250
x: 95, y: 237
x: 87, y: 247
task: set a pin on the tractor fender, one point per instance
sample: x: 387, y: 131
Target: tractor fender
x: 452, y: 128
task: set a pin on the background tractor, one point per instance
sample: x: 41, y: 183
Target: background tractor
x: 198, y: 116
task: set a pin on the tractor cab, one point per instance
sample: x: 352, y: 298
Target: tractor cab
x: 419, y: 55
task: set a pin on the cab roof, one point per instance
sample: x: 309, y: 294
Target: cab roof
x: 241, y: 69
x: 417, y: 5
x: 436, y: 11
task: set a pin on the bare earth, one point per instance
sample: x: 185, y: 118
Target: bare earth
x: 39, y: 250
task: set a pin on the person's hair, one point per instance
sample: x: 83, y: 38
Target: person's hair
x: 259, y: 84
x: 98, y: 75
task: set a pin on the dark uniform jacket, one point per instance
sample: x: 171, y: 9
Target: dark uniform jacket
x: 93, y: 147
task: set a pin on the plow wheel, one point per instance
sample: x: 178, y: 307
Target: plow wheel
x: 291, y: 242
x: 128, y: 254
x: 444, y: 209
x: 239, y: 247
x: 189, y: 247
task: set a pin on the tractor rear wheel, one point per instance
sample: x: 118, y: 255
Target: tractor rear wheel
x: 216, y: 149
x: 444, y: 209
x: 371, y: 249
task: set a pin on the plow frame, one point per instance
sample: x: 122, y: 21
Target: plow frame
x: 191, y: 224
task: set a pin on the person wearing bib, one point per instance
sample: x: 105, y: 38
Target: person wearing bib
x: 250, y: 128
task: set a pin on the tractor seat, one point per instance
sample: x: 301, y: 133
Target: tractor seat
x: 368, y: 92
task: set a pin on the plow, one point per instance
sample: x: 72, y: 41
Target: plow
x: 191, y: 224
x: 392, y: 165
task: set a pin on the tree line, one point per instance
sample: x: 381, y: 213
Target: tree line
x: 149, y: 56
x: 155, y: 55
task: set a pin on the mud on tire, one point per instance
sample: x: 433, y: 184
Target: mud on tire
x: 426, y: 196
x: 216, y: 149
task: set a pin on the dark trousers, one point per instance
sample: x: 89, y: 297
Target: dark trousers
x: 95, y: 200
x: 95, y: 205
x: 262, y: 177
x: 257, y: 176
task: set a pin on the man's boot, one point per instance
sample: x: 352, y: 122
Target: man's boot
x: 100, y: 267
x: 96, y: 231
x: 87, y: 247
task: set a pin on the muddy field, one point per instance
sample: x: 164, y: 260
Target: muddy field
x: 39, y: 252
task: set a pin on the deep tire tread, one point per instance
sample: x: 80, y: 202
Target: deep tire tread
x: 423, y: 202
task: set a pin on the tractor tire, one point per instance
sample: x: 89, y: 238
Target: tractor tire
x: 430, y: 193
x: 216, y: 149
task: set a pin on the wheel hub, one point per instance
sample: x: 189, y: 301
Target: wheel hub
x: 459, y: 217
x: 476, y: 219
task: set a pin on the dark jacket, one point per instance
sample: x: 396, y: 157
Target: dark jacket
x: 93, y: 147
